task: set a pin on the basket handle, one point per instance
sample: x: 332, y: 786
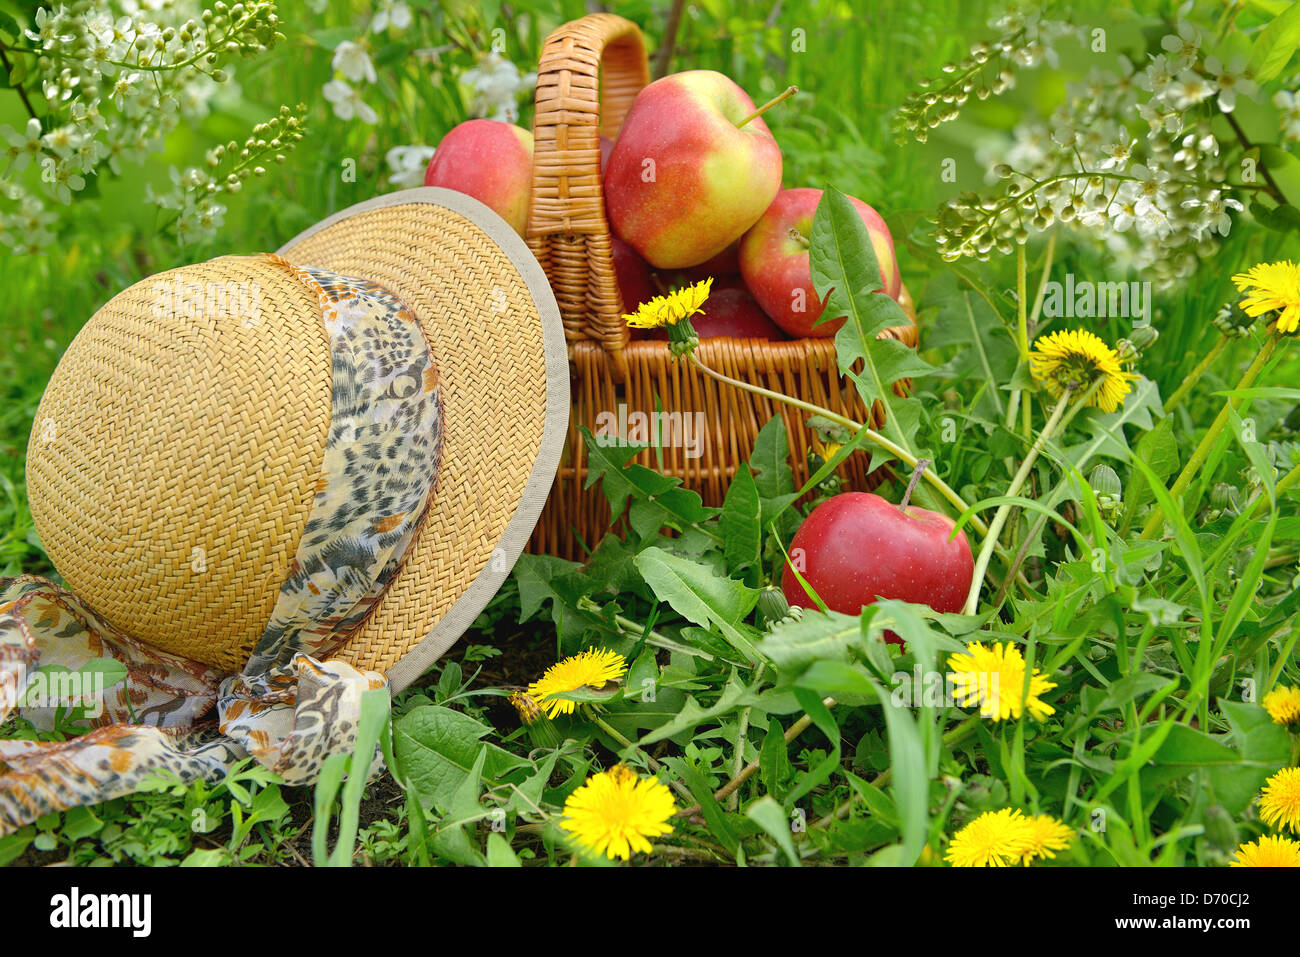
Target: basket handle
x: 590, y: 72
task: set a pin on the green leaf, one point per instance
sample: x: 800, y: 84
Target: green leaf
x: 436, y: 747
x: 846, y: 274
x: 700, y: 595
x: 911, y: 782
x: 769, y: 461
x: 534, y: 574
x: 499, y: 852
x: 692, y: 715
x: 714, y: 816
x: 793, y: 644
x: 839, y: 680
x: 815, y: 777
x: 739, y: 522
x: 1275, y: 45
x: 774, y: 760
x: 770, y: 816
x: 13, y: 845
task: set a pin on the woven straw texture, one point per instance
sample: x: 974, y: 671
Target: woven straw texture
x: 590, y: 72
x: 173, y: 434
x: 175, y: 457
x: 486, y: 334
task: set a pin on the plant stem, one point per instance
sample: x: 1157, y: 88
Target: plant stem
x: 613, y: 733
x: 1194, y: 464
x: 911, y: 485
x: 22, y: 93
x: 722, y: 793
x: 1247, y: 145
x: 871, y: 435
x: 1192, y: 377
x: 1000, y: 517
x: 784, y: 95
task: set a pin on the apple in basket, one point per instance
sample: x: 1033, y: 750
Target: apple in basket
x: 693, y: 167
x: 632, y: 274
x: 730, y: 311
x: 491, y: 161
x: 774, y: 261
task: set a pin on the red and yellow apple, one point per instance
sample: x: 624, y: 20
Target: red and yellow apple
x: 775, y: 263
x: 491, y: 161
x: 693, y: 168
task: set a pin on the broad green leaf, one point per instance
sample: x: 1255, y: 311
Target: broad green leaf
x: 499, y: 852
x: 770, y: 816
x: 1275, y: 45
x: 769, y: 461
x: 794, y: 644
x: 774, y: 760
x: 846, y: 274
x: 714, y: 816
x: 739, y: 522
x: 700, y: 595
x: 436, y: 747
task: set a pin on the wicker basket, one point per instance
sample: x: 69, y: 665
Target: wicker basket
x: 590, y: 72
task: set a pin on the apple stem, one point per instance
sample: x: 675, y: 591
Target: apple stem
x: 800, y: 238
x: 911, y: 486
x: 788, y: 92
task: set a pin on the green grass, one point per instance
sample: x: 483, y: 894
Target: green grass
x: 1118, y: 732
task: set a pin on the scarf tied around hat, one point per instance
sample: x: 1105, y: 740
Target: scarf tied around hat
x: 291, y: 707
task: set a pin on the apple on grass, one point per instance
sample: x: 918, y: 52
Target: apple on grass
x: 491, y: 161
x: 775, y: 263
x: 856, y: 547
x: 693, y: 167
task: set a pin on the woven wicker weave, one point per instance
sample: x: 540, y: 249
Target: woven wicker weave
x: 175, y: 458
x: 590, y: 72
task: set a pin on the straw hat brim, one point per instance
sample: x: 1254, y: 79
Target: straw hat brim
x: 492, y: 322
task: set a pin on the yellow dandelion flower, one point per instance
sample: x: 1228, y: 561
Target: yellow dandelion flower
x: 1268, y: 851
x: 672, y: 308
x: 594, y: 668
x: 994, y: 677
x: 1077, y: 358
x: 616, y: 811
x: 1283, y: 705
x: 1279, y: 802
x: 1046, y: 835
x: 1272, y: 287
x: 994, y: 839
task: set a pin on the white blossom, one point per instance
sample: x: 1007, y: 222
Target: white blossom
x: 394, y: 13
x: 1231, y: 81
x: 347, y: 102
x: 497, y: 85
x: 352, y: 60
x: 408, y: 164
x: 1183, y: 47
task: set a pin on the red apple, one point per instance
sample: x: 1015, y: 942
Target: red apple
x: 685, y: 179
x: 730, y: 311
x: 606, y: 147
x: 632, y: 274
x: 491, y: 161
x: 856, y: 547
x: 776, y: 266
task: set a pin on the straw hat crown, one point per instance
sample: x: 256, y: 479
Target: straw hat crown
x: 176, y: 451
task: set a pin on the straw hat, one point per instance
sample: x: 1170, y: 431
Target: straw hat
x: 175, y: 457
